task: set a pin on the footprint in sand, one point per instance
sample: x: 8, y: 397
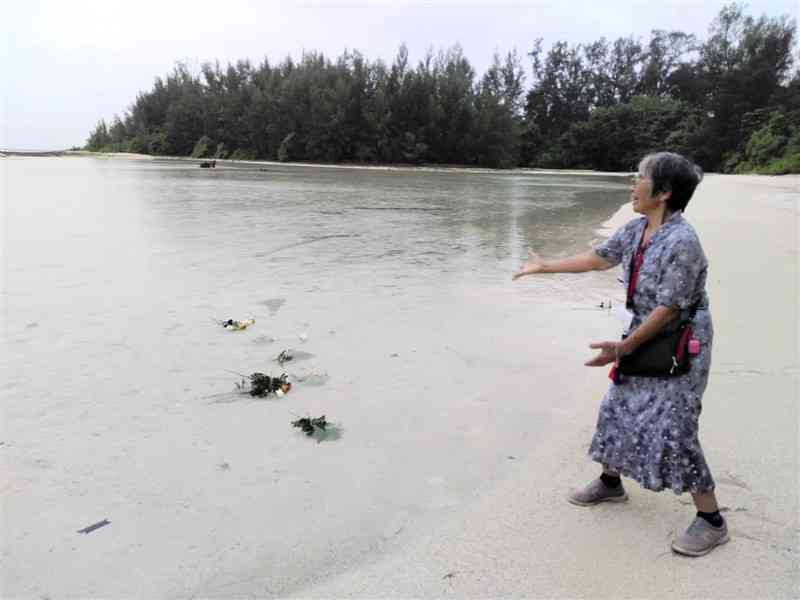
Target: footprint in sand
x: 273, y: 305
x: 734, y: 481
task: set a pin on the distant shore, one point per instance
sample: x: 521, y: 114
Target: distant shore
x: 34, y: 153
x: 378, y: 167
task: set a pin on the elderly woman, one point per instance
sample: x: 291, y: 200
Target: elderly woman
x: 647, y: 427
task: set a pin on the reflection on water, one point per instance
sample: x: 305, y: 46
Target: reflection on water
x: 84, y: 221
x: 397, y: 282
x: 377, y: 226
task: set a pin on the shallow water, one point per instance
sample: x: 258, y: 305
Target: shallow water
x: 117, y: 385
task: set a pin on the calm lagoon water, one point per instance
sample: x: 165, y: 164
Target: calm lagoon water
x: 117, y: 387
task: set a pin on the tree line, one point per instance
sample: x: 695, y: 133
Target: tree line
x: 732, y: 102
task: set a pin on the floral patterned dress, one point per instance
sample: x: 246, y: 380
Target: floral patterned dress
x: 647, y: 427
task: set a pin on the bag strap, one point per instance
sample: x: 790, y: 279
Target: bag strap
x: 695, y: 307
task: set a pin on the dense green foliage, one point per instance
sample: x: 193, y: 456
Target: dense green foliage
x: 731, y: 102
x: 774, y: 149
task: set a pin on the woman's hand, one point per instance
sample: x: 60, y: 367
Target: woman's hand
x: 534, y: 265
x: 609, y: 353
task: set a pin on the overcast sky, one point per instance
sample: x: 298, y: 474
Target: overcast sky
x: 65, y: 65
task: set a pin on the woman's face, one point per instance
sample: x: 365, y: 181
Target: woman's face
x: 642, y: 194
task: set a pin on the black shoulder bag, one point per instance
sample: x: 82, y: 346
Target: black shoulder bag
x: 664, y: 355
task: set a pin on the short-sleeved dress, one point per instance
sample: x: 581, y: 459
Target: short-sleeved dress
x: 647, y: 428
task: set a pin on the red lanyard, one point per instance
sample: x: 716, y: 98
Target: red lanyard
x: 636, y: 265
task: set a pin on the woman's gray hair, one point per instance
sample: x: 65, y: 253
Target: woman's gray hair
x: 671, y: 172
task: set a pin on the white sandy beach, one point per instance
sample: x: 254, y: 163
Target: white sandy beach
x: 183, y: 480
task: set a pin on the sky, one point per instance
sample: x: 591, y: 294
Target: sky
x: 66, y: 65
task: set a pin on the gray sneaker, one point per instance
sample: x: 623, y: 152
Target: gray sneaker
x: 597, y: 492
x: 701, y: 538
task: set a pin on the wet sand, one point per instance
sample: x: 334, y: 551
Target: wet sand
x: 119, y: 403
x: 523, y: 540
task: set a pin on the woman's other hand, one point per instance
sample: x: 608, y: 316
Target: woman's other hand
x: 534, y: 265
x: 609, y: 353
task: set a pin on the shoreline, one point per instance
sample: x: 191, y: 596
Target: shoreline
x: 521, y: 539
x: 424, y: 407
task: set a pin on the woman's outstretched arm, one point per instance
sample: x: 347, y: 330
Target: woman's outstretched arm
x: 581, y: 263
